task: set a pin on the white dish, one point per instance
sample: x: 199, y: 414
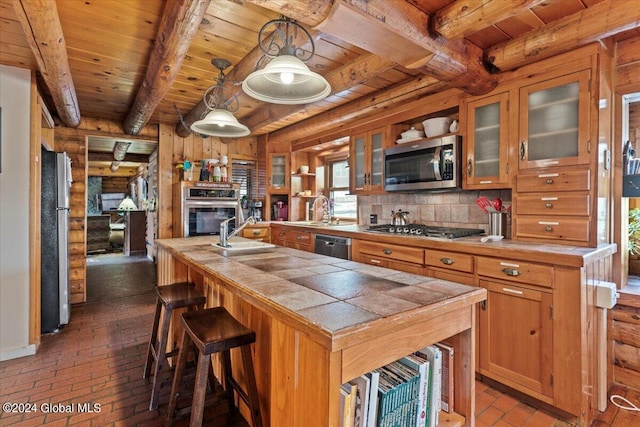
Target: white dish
x: 436, y: 126
x: 404, y: 141
x: 493, y: 238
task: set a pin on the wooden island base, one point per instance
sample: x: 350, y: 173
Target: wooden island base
x: 308, y: 342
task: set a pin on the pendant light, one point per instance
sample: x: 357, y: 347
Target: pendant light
x: 285, y: 79
x: 220, y: 120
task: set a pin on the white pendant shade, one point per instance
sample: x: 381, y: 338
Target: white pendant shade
x: 286, y: 80
x: 220, y: 122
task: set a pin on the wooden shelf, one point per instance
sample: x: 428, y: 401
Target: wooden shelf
x: 303, y: 174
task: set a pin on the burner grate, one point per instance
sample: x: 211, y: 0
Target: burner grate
x: 426, y: 230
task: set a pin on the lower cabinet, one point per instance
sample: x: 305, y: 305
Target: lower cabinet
x: 402, y: 258
x: 302, y: 240
x: 516, y: 331
x: 453, y: 266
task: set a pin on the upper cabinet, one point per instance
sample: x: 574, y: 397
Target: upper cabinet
x: 278, y: 169
x: 486, y: 151
x: 367, y: 161
x: 554, y: 122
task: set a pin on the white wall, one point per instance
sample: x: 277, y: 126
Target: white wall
x: 15, y: 87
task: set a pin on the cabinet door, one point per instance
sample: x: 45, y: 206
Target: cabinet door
x: 487, y: 138
x: 278, y: 172
x: 554, y: 122
x: 516, y: 337
x: 357, y: 164
x: 376, y: 159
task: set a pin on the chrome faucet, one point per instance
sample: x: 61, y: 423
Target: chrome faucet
x: 325, y: 208
x: 224, y: 230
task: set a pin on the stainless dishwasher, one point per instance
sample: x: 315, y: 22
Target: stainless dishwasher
x: 339, y: 247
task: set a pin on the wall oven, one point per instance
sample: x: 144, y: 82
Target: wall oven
x: 206, y: 204
x: 430, y: 164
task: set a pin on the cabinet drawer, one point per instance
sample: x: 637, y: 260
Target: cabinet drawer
x: 255, y: 233
x: 555, y: 181
x: 516, y: 271
x: 554, y: 204
x: 392, y: 264
x: 556, y: 228
x: 394, y: 252
x: 449, y: 260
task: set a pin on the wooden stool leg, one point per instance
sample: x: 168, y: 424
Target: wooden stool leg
x: 177, y: 376
x: 200, y: 389
x: 153, y: 341
x: 225, y: 360
x: 252, y: 388
x: 161, y: 358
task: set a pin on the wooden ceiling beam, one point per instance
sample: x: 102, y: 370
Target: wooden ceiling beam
x: 41, y: 25
x: 396, y: 31
x: 595, y: 23
x: 108, y: 157
x: 464, y: 17
x: 180, y: 22
x: 347, y: 76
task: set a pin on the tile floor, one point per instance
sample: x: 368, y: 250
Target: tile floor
x: 99, y: 358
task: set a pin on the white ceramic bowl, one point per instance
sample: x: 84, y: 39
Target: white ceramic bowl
x: 411, y: 134
x: 436, y: 126
x: 304, y: 169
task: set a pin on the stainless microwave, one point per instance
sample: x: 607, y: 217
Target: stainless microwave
x: 431, y: 164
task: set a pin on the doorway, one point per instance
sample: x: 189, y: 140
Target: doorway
x: 631, y: 209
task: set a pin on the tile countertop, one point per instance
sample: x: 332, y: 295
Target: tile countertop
x: 335, y: 296
x: 565, y: 255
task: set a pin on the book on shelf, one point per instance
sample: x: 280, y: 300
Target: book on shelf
x: 398, y: 395
x: 433, y: 355
x: 362, y: 384
x: 447, y: 376
x: 347, y: 404
x: 372, y: 411
x: 421, y: 365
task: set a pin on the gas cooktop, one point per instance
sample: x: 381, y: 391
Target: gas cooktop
x: 425, y: 230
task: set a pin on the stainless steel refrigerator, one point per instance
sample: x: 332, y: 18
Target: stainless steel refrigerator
x: 54, y: 239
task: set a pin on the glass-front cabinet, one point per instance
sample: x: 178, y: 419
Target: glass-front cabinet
x: 278, y: 168
x: 367, y: 160
x: 487, y: 138
x: 554, y: 122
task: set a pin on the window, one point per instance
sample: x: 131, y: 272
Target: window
x: 345, y: 205
x: 246, y: 173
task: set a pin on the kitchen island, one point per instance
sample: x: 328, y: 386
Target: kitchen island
x: 322, y: 321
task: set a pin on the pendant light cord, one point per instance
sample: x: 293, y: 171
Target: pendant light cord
x: 627, y: 404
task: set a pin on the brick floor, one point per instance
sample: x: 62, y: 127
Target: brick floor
x: 98, y: 359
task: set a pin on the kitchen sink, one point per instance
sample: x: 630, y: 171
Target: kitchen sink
x: 242, y: 245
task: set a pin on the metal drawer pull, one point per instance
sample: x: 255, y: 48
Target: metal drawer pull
x: 387, y: 251
x: 281, y: 233
x: 549, y: 181
x: 512, y: 291
x: 446, y: 261
x: 548, y: 205
x: 256, y: 232
x: 548, y: 229
x: 511, y: 272
x: 523, y: 151
x: 469, y: 167
x: 299, y: 237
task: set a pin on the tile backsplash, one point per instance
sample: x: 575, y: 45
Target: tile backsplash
x: 447, y: 209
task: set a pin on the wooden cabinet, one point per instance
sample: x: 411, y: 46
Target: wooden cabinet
x: 452, y: 266
x: 402, y: 258
x: 486, y: 148
x: 516, y: 333
x: 278, y: 166
x: 257, y: 232
x: 554, y: 205
x: 554, y: 128
x: 367, y: 161
x: 135, y: 230
x: 283, y: 236
x: 516, y: 324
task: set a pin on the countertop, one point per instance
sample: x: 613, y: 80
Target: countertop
x: 566, y: 255
x: 338, y: 299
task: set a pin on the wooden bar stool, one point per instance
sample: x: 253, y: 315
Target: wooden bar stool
x: 214, y: 330
x: 170, y: 297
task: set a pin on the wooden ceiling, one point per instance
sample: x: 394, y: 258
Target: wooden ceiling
x: 129, y: 65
